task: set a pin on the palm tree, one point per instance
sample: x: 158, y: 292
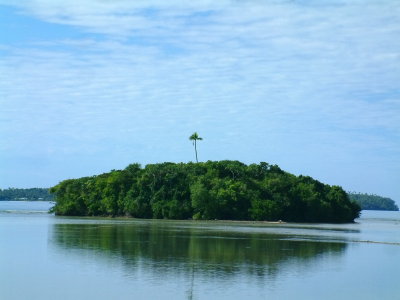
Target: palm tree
x: 195, y: 137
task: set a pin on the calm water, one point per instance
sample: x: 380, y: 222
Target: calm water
x: 48, y: 257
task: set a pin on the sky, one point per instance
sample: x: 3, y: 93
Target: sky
x: 91, y: 86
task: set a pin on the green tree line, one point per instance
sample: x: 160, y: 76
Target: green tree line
x: 373, y: 202
x: 31, y: 194
x: 224, y: 190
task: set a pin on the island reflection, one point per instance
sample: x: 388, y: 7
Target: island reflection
x: 168, y: 248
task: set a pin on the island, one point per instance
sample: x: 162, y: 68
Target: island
x: 212, y: 190
x: 373, y: 202
x: 30, y: 194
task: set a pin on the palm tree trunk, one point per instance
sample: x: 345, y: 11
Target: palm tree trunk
x: 195, y: 150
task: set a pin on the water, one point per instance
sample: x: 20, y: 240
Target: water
x: 48, y: 257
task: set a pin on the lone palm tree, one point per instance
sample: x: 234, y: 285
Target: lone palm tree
x: 195, y: 137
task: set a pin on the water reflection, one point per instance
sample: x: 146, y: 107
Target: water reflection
x: 164, y: 248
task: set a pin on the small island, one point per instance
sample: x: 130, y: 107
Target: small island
x: 373, y: 202
x: 30, y: 194
x: 212, y: 190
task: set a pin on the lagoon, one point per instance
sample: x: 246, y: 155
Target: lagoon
x: 43, y: 256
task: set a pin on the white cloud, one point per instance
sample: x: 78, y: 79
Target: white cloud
x: 286, y: 80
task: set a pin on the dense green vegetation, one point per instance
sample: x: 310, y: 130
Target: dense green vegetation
x: 32, y: 194
x: 225, y: 190
x: 373, y: 202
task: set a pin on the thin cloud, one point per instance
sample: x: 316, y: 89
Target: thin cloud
x: 286, y: 79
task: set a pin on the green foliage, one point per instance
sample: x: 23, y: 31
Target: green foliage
x: 373, y: 202
x: 225, y: 190
x: 32, y: 194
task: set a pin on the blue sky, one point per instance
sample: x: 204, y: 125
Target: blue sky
x: 90, y: 86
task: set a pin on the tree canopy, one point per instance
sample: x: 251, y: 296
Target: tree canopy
x: 225, y: 190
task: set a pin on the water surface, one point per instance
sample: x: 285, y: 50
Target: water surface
x: 48, y: 257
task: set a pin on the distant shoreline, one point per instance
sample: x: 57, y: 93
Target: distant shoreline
x: 14, y: 200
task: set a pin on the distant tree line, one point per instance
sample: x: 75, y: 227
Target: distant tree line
x: 225, y: 190
x: 373, y: 202
x: 32, y: 194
